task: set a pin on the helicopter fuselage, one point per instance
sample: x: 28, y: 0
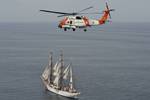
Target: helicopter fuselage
x: 73, y: 22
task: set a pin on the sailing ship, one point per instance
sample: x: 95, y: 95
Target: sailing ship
x: 59, y: 79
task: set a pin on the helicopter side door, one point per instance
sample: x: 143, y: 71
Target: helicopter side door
x: 79, y: 22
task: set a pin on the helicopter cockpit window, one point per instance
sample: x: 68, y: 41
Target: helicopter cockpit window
x: 78, y: 17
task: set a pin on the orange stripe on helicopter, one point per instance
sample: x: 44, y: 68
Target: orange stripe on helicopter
x: 104, y: 17
x: 63, y: 22
x: 86, y: 21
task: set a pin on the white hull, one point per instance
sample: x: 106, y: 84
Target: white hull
x: 60, y: 92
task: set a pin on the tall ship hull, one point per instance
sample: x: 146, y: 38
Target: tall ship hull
x: 59, y: 92
x: 55, y: 79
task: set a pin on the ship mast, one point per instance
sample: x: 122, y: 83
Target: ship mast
x: 51, y: 66
x: 61, y: 69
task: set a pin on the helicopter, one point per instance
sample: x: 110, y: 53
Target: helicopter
x: 75, y: 20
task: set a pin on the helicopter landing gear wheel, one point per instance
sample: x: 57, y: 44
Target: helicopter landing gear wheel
x: 85, y: 30
x: 65, y: 29
x: 74, y: 29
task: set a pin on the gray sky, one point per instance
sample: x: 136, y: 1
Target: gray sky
x: 28, y: 10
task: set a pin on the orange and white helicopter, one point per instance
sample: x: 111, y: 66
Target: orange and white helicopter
x: 75, y: 20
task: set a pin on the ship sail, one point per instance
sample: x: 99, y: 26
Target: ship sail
x: 55, y: 66
x: 71, y: 79
x: 46, y: 73
x: 56, y: 80
x: 56, y: 69
x: 66, y: 72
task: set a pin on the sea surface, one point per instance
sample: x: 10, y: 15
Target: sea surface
x: 110, y: 62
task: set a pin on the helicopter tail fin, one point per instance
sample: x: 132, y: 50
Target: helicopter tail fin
x: 106, y: 15
x: 104, y: 18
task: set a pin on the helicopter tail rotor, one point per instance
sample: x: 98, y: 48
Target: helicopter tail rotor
x: 108, y: 10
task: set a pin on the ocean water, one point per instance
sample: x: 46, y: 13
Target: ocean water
x: 110, y: 62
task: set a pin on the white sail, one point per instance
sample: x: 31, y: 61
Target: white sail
x: 71, y: 80
x: 66, y: 72
x: 46, y: 73
x: 56, y: 68
x: 56, y: 80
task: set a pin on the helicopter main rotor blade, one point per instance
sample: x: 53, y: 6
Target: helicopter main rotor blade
x: 56, y: 12
x: 86, y: 9
x: 62, y: 15
x: 79, y: 14
x: 92, y: 13
x: 112, y: 10
x: 65, y: 15
x: 69, y: 14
